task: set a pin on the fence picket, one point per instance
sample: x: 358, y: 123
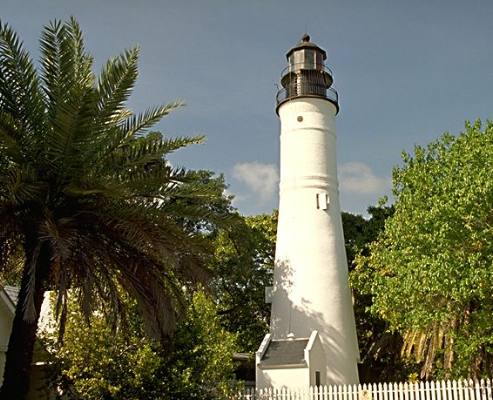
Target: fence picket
x: 465, y: 385
x: 455, y: 392
x: 422, y: 391
x: 355, y: 392
x: 395, y: 390
x: 385, y: 391
x: 380, y: 391
x: 425, y: 390
x: 449, y: 390
x: 477, y: 388
x: 375, y: 391
x: 411, y: 391
x: 456, y: 389
x: 460, y: 389
x: 470, y: 385
x: 444, y: 390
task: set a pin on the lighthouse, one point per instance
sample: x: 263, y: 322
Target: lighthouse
x: 312, y: 339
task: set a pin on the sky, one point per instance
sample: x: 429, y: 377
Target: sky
x: 406, y: 71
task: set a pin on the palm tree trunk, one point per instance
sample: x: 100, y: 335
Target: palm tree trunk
x: 23, y: 336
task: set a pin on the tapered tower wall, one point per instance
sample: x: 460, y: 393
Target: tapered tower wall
x: 311, y: 289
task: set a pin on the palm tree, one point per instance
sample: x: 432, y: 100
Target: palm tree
x: 86, y: 198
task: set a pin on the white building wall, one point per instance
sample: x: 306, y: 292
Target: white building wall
x: 317, y: 362
x: 46, y: 323
x: 311, y: 289
x: 6, y: 318
x: 288, y: 378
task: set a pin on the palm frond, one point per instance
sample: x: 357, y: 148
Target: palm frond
x: 21, y: 186
x: 115, y: 85
x: 68, y: 82
x: 144, y: 155
x: 138, y: 124
x: 10, y: 137
x: 20, y: 94
x: 50, y: 65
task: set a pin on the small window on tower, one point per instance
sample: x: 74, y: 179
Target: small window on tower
x: 322, y: 201
x: 317, y: 378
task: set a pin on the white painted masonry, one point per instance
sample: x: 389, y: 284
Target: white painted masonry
x: 311, y: 299
x: 311, y: 289
x: 294, y: 376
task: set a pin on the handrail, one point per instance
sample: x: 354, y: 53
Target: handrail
x: 313, y: 66
x: 309, y: 90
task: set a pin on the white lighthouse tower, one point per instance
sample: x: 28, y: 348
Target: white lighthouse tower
x: 313, y: 335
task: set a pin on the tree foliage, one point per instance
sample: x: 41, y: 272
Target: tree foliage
x: 430, y: 272
x: 243, y: 265
x: 379, y: 347
x: 87, y: 198
x: 96, y: 363
x: 201, y: 365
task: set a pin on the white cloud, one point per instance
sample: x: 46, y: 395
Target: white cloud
x: 357, y: 177
x: 261, y: 179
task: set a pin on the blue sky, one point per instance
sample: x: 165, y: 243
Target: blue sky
x: 406, y: 71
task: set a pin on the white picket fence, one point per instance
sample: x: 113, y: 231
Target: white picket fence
x: 439, y: 390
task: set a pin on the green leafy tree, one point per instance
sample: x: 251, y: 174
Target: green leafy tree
x: 201, y: 364
x: 430, y: 272
x: 86, y: 198
x: 243, y: 265
x: 96, y: 363
x: 379, y: 346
